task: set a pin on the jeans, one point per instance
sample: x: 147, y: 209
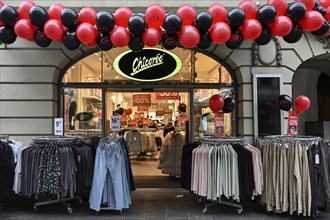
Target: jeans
x: 110, y: 183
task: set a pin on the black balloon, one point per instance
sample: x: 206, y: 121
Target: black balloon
x: 103, y: 41
x: 325, y: 28
x: 229, y: 105
x: 235, y: 40
x: 7, y: 35
x: 140, y: 14
x: 296, y: 11
x: 170, y: 41
x: 265, y: 37
x: 105, y: 21
x: 69, y: 18
x: 70, y: 40
x: 172, y: 23
x: 8, y: 15
x: 120, y: 111
x: 284, y: 102
x: 182, y: 107
x: 137, y: 25
x: 136, y: 44
x: 317, y: 4
x: 266, y: 14
x: 294, y: 35
x: 235, y: 17
x: 41, y: 39
x: 205, y: 41
x: 322, y: 10
x: 203, y: 21
x: 38, y: 16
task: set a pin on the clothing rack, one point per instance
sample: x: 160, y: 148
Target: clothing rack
x: 283, y: 139
x: 56, y: 140
x: 214, y: 140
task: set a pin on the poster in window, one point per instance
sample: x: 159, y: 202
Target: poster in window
x: 219, y: 124
x: 293, y: 123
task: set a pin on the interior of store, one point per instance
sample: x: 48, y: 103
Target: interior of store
x: 148, y: 112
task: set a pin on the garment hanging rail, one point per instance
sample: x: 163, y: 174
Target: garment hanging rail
x: 222, y: 140
x: 284, y: 139
x: 56, y: 140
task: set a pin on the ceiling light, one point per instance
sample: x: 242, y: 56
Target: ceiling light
x: 96, y: 54
x: 100, y: 58
x: 72, y: 67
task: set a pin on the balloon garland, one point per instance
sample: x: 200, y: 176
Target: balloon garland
x: 122, y: 28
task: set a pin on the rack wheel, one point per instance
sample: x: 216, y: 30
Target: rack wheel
x: 35, y: 209
x: 239, y: 211
x: 70, y: 210
x: 204, y: 211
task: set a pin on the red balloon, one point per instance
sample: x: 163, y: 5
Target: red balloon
x: 187, y: 14
x: 93, y: 44
x: 86, y: 33
x: 151, y: 37
x: 122, y: 15
x: 308, y: 3
x: 282, y: 26
x: 155, y: 15
x: 302, y: 103
x: 250, y: 9
x: 251, y: 29
x: 325, y: 3
x: 128, y: 111
x: 87, y: 15
x: 218, y: 12
x: 24, y: 29
x: 189, y: 36
x: 312, y: 21
x: 327, y: 16
x: 279, y: 5
x: 54, y: 11
x: 24, y: 9
x: 53, y: 29
x: 216, y: 103
x: 220, y: 32
x: 120, y: 36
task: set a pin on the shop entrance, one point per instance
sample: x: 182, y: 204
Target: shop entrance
x: 149, y: 120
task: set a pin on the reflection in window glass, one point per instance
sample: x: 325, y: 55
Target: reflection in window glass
x: 203, y: 115
x: 82, y: 110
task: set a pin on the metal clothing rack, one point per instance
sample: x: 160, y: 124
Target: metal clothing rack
x: 63, y: 201
x: 224, y: 140
x: 307, y: 141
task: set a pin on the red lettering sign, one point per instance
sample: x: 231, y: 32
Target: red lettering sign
x: 142, y: 100
x: 159, y: 113
x: 167, y: 111
x: 167, y: 96
x: 293, y: 123
x: 219, y: 124
x: 143, y: 108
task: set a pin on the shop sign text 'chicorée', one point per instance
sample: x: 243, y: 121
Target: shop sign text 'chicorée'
x: 150, y: 64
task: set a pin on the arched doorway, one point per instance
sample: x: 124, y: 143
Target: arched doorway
x: 93, y: 85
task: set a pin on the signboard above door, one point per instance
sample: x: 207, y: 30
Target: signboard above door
x: 147, y: 65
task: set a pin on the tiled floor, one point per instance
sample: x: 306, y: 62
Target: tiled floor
x: 147, y: 204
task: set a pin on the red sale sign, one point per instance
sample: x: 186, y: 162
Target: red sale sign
x: 167, y: 96
x: 142, y: 100
x: 159, y: 113
x: 293, y: 123
x: 143, y: 108
x: 219, y: 124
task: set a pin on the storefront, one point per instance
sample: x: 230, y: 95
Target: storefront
x: 190, y: 78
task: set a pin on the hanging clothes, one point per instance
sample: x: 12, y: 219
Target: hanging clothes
x: 134, y: 141
x: 46, y: 168
x: 295, y: 174
x: 112, y: 179
x: 7, y: 165
x: 171, y: 153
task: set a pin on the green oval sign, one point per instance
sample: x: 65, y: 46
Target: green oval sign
x: 147, y: 65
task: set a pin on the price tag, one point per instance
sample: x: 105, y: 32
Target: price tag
x: 317, y: 159
x: 219, y: 124
x: 58, y: 126
x: 115, y: 123
x: 293, y: 123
